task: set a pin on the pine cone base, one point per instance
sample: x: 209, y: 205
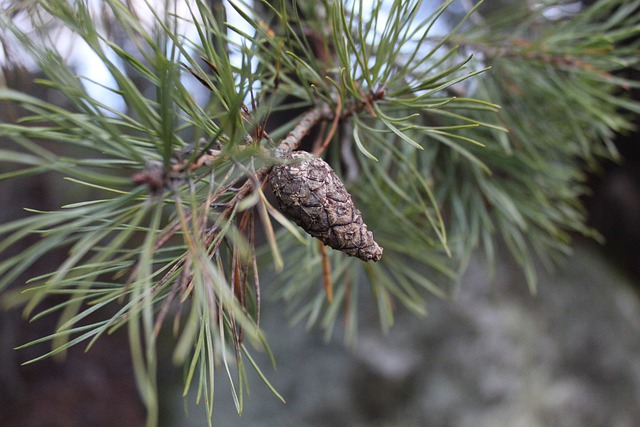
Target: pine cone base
x: 310, y: 193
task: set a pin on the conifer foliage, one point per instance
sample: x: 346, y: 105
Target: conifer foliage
x: 446, y: 141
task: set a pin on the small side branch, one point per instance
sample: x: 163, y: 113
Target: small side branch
x: 308, y: 120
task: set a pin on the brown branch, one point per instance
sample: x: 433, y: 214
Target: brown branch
x: 326, y: 272
x: 364, y: 104
x: 308, y: 120
x: 157, y: 179
x: 332, y: 131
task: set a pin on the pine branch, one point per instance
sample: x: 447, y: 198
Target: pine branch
x: 434, y: 171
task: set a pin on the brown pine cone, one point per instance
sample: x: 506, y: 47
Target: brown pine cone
x: 310, y: 193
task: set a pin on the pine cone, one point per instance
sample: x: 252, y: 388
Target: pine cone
x: 310, y: 193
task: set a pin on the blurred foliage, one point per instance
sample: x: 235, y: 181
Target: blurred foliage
x: 407, y: 114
